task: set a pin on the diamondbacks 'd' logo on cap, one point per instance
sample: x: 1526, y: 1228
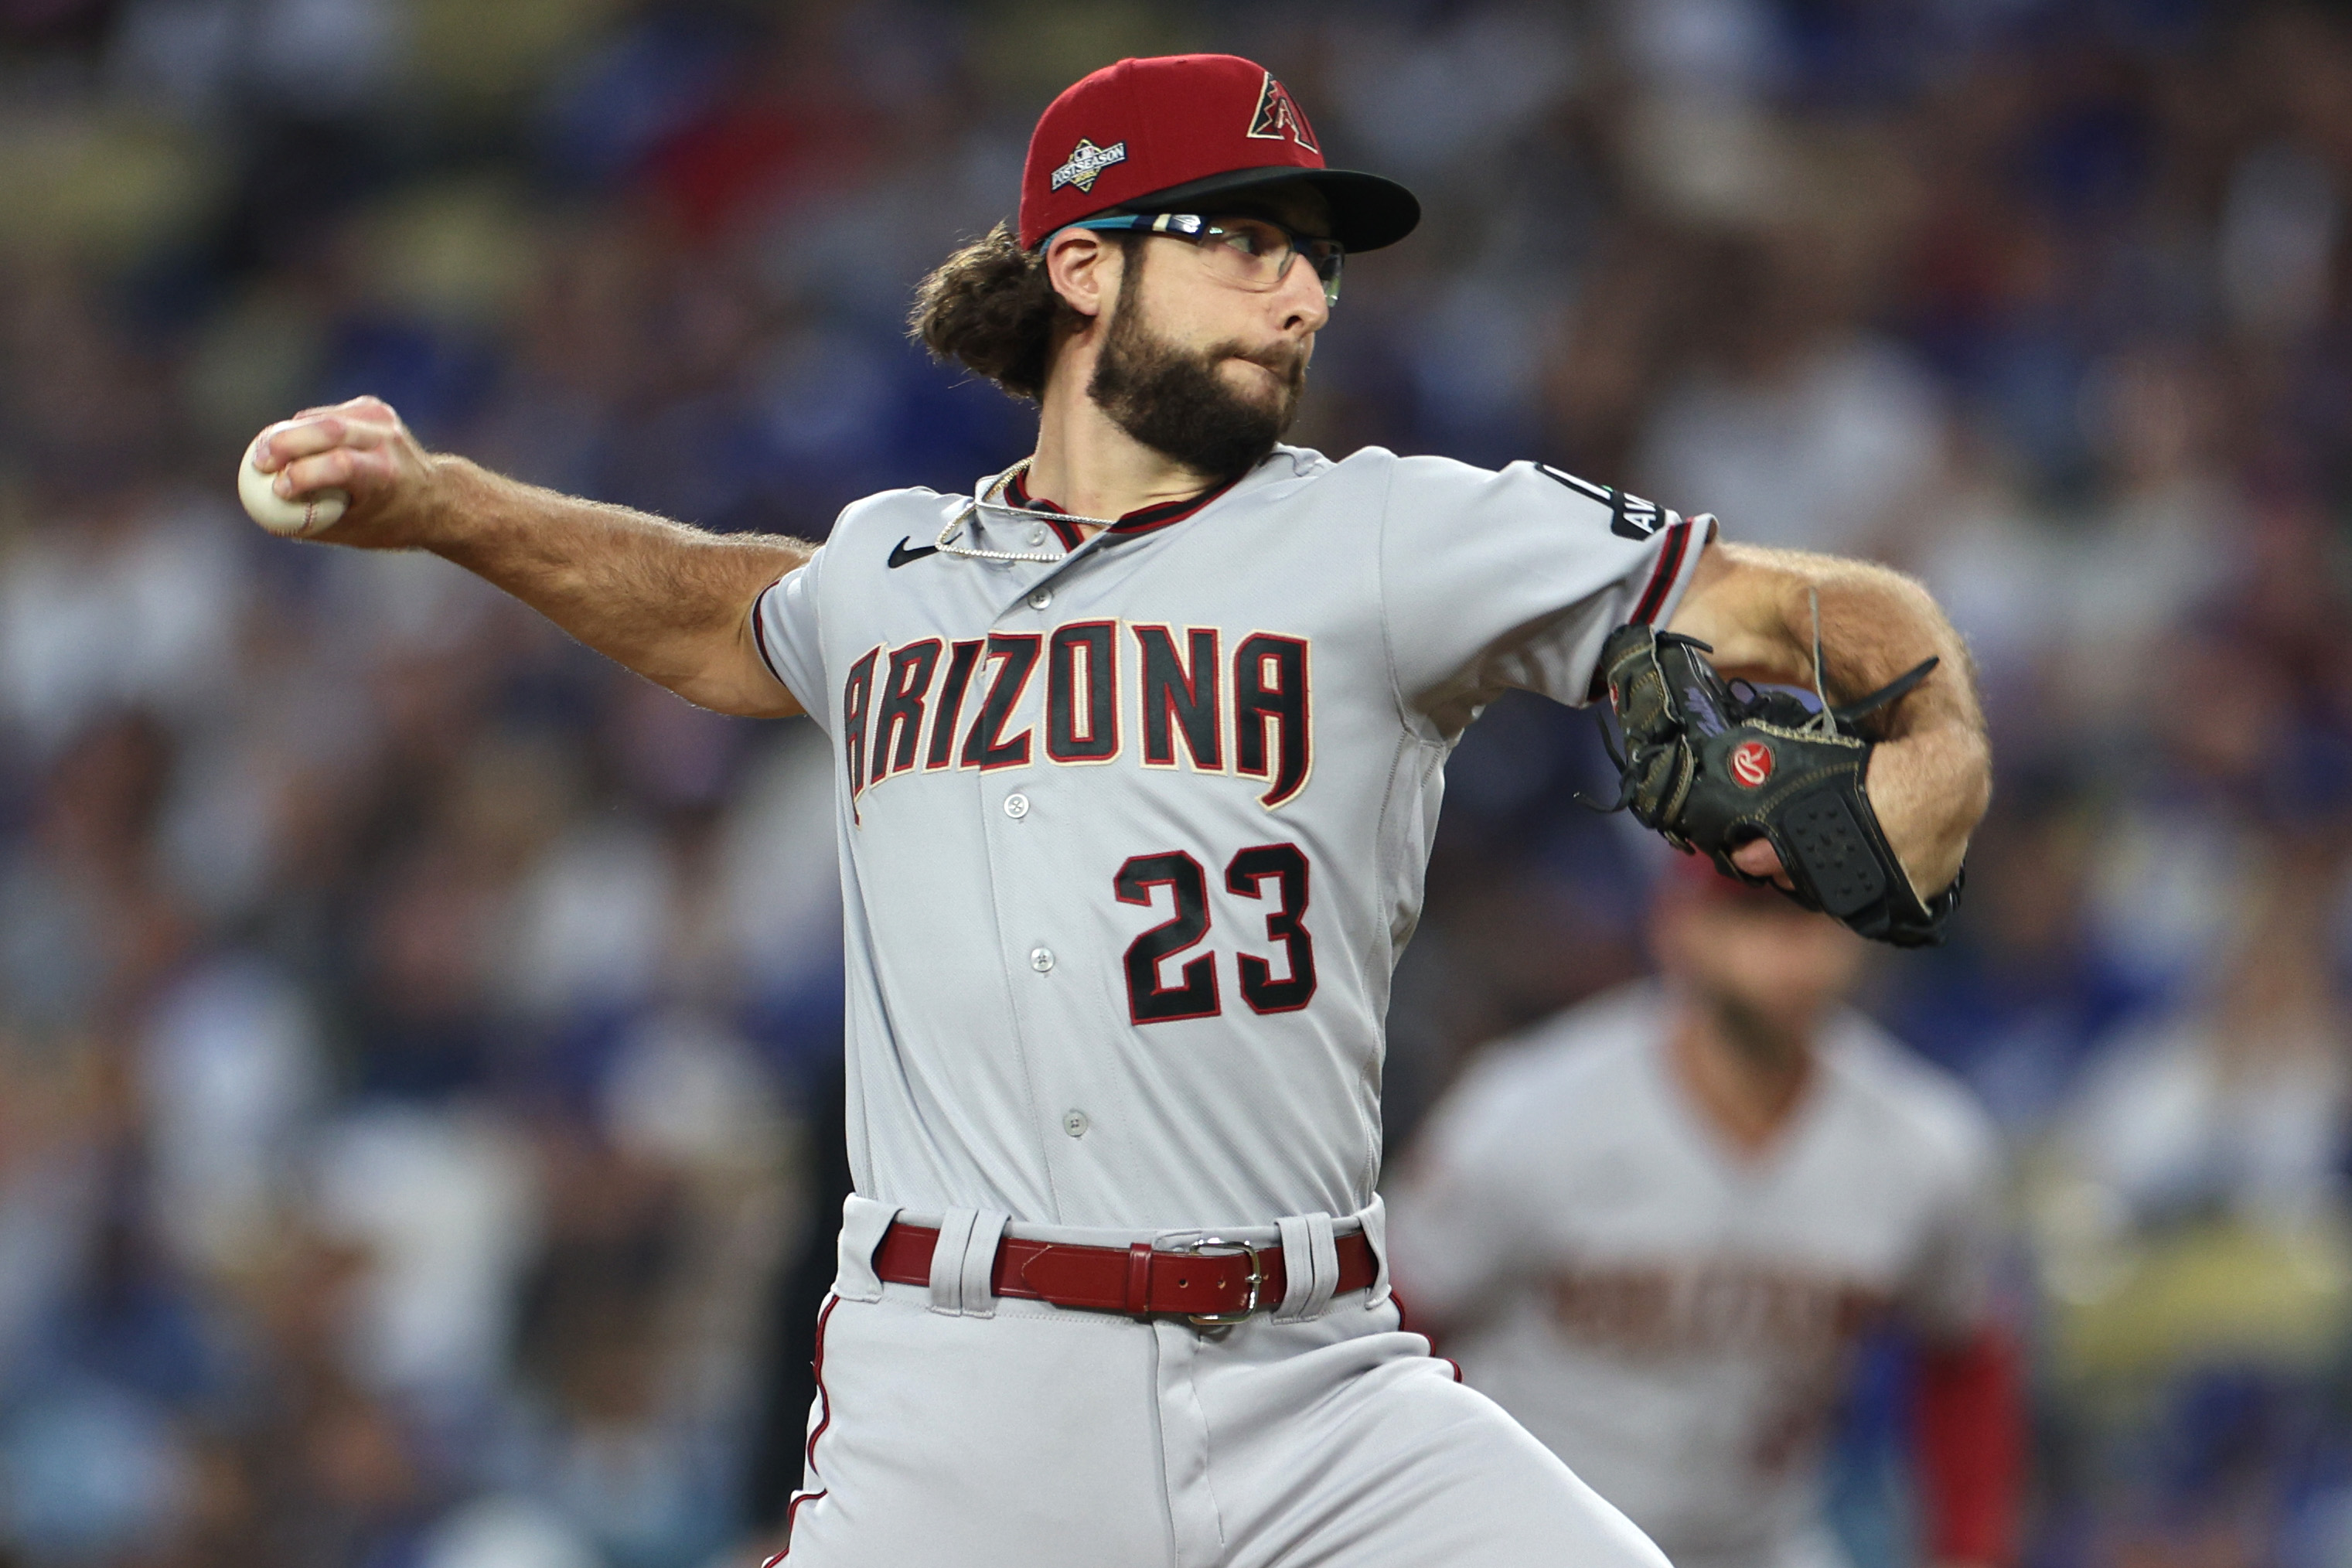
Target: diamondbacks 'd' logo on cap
x: 1279, y: 116
x: 1088, y: 161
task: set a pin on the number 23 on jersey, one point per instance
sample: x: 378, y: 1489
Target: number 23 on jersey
x: 1274, y: 872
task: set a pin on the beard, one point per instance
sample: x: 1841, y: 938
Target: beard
x: 1177, y: 401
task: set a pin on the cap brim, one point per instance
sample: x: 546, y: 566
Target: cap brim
x: 1367, y: 211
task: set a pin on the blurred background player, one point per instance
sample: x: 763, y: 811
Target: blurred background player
x: 1658, y: 1228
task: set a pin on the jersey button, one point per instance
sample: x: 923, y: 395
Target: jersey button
x: 1016, y: 806
x: 1040, y: 599
x: 1041, y: 959
x: 1074, y: 1123
x: 1037, y: 534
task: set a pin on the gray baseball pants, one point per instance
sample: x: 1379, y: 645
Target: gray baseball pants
x: 992, y: 1432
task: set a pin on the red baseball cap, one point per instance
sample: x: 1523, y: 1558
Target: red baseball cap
x: 1170, y: 134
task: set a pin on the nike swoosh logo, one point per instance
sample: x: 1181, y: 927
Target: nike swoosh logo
x: 901, y: 554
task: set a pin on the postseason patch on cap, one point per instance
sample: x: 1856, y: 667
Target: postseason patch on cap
x: 1087, y: 162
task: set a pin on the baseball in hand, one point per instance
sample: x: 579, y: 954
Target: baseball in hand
x: 296, y: 519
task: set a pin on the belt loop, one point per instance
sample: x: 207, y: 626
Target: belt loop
x: 978, y: 1296
x: 1138, y: 1276
x: 1310, y: 1266
x: 1374, y: 1217
x: 863, y: 1222
x: 947, y: 1261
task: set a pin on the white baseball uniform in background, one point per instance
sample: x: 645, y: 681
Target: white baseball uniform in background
x: 1131, y: 834
x: 1674, y: 1319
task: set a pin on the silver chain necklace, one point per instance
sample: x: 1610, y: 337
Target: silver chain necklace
x: 991, y: 494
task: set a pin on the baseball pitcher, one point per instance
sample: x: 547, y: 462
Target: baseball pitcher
x: 1139, y: 747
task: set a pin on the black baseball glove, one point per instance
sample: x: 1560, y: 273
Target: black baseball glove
x: 1714, y: 766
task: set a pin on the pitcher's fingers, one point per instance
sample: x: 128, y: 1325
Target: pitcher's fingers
x: 1758, y: 859
x: 340, y: 468
x: 299, y: 437
x: 367, y: 405
x: 305, y: 436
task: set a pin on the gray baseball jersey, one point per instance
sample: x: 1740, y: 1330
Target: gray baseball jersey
x: 1131, y: 836
x: 1672, y: 1319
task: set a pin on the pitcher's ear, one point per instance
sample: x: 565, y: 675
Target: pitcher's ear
x: 1084, y: 269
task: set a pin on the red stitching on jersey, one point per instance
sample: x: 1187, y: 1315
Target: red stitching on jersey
x: 1019, y: 652
x: 759, y: 634
x: 825, y: 1400
x: 1252, y: 712
x: 1143, y: 520
x: 791, y: 1513
x: 825, y: 1403
x: 1661, y: 580
x: 1297, y: 944
x: 896, y: 724
x: 1017, y: 492
x: 1078, y: 753
x: 1206, y: 669
x: 946, y: 712
x: 1167, y: 512
x: 1159, y: 988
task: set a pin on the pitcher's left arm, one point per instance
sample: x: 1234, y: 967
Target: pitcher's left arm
x: 1930, y: 776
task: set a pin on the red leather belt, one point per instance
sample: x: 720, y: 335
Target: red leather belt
x: 1210, y: 1281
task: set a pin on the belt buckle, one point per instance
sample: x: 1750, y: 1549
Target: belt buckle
x: 1218, y: 1247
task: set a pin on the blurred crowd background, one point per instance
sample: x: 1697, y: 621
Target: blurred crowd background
x: 419, y: 1041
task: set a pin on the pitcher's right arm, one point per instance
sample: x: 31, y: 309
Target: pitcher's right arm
x: 672, y: 603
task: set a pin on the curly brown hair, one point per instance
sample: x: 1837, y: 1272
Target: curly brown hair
x: 991, y: 308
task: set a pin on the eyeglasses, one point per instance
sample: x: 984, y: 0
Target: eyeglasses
x: 1254, y: 252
